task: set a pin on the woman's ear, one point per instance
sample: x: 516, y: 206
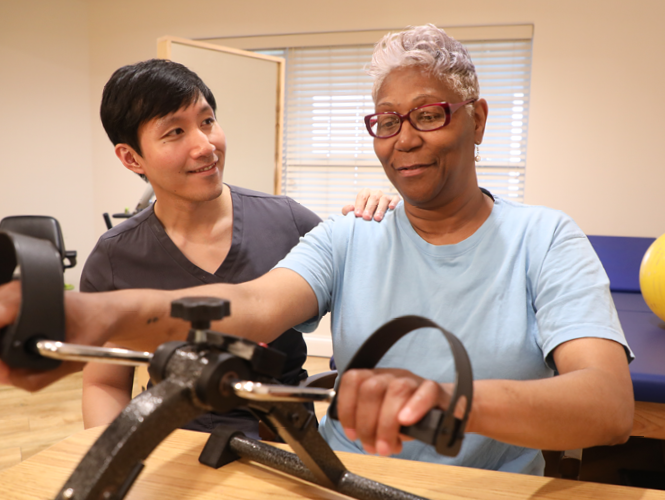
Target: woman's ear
x: 129, y: 158
x: 480, y: 111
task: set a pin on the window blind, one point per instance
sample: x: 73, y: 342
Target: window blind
x: 328, y: 154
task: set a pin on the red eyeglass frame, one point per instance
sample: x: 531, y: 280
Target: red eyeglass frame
x: 448, y: 110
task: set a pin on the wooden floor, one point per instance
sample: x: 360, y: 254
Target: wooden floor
x: 30, y: 423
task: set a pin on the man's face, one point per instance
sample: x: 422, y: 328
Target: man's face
x: 183, y: 154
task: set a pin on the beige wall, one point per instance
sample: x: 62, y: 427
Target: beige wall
x: 596, y: 102
x: 45, y: 139
x: 595, y: 110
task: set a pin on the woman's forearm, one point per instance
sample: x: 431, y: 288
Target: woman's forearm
x: 576, y: 410
x: 261, y: 310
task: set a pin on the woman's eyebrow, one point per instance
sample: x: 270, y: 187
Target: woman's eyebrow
x: 419, y: 97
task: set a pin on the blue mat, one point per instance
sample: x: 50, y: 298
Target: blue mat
x: 621, y: 257
x: 645, y: 333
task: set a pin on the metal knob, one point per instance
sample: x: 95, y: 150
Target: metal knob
x: 200, y: 311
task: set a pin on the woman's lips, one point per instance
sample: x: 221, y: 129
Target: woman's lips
x: 411, y: 170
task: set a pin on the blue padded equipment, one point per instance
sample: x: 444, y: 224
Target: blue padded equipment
x: 621, y: 257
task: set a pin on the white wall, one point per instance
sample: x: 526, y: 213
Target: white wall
x: 45, y: 139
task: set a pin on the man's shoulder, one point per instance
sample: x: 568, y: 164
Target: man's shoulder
x: 260, y: 197
x: 129, y: 226
x: 274, y: 208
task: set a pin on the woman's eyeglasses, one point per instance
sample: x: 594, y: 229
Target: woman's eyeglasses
x: 425, y: 118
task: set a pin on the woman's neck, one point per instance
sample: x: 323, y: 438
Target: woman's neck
x: 453, y: 222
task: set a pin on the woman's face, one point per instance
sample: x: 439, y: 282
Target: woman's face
x: 429, y: 169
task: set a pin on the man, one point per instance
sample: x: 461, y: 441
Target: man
x: 160, y: 117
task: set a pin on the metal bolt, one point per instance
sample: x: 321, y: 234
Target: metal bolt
x: 16, y: 344
x: 200, y: 336
x: 68, y: 494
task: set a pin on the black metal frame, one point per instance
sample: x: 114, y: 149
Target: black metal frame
x: 198, y: 376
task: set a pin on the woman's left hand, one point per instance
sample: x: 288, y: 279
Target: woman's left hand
x: 372, y: 203
x: 589, y: 403
x: 372, y: 405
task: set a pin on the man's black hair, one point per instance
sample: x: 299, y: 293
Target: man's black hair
x: 150, y: 89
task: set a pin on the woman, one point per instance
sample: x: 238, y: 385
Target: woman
x: 519, y: 285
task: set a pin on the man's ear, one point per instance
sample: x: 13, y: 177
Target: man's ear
x: 480, y: 110
x: 129, y: 158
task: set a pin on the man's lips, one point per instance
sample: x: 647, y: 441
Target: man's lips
x: 204, y: 169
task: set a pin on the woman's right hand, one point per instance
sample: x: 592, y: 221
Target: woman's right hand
x: 33, y: 380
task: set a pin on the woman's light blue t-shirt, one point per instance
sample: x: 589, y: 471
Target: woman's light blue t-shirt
x: 526, y: 281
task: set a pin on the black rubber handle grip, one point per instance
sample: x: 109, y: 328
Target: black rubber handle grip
x: 438, y: 428
x: 42, y: 311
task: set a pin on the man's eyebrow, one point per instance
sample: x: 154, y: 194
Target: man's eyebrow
x: 167, y: 121
x: 205, y: 108
x: 173, y: 118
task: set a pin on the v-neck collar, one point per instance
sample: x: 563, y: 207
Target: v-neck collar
x: 226, y: 268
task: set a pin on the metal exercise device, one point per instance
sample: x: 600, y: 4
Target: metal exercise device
x: 210, y: 371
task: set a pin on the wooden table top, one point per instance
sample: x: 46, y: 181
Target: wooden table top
x: 173, y: 472
x: 649, y: 420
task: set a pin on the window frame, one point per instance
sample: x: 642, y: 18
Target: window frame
x: 490, y: 173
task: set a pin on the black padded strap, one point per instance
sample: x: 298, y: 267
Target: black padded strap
x: 42, y: 313
x: 438, y: 428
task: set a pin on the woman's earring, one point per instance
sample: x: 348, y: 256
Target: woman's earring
x: 477, y: 157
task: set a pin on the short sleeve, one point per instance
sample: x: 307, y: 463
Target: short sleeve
x: 305, y: 219
x: 97, y: 274
x: 572, y: 296
x: 312, y: 259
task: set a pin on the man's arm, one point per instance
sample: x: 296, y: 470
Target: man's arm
x: 589, y: 404
x: 140, y: 319
x: 107, y: 390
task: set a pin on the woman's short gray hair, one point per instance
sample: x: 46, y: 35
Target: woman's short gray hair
x: 428, y: 47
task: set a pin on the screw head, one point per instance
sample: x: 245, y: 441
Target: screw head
x: 200, y: 310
